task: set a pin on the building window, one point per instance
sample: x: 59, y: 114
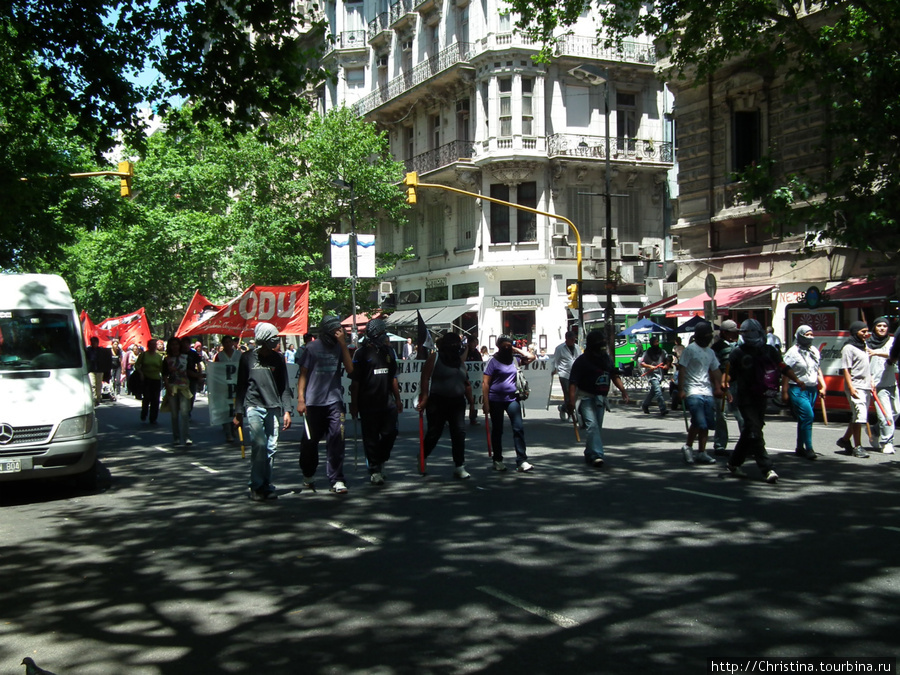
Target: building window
x: 463, y: 32
x: 469, y: 290
x: 436, y: 294
x: 526, y: 223
x: 527, y: 106
x: 746, y: 142
x: 409, y: 297
x: 626, y: 120
x: 435, y: 222
x: 628, y: 216
x: 578, y: 107
x: 386, y: 238
x: 517, y: 287
x: 435, y: 124
x: 579, y: 211
x: 411, y: 235
x: 354, y: 16
x: 466, y: 223
x: 505, y: 84
x: 499, y: 215
x: 462, y: 119
x: 409, y: 141
x: 505, y: 24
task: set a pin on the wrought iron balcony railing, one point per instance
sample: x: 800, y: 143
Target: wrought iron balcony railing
x: 586, y: 47
x: 348, y: 39
x: 574, y: 145
x: 378, y: 25
x: 445, y: 155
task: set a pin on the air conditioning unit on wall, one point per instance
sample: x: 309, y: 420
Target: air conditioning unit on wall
x: 563, y: 252
x: 670, y: 288
x: 381, y: 62
x: 598, y: 270
x: 560, y: 229
x: 630, y: 249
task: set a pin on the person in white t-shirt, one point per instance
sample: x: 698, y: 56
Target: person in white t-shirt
x: 699, y: 384
x: 884, y: 377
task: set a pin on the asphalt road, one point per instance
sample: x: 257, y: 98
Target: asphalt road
x: 647, y: 565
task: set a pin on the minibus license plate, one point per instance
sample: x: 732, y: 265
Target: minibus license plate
x: 10, y: 466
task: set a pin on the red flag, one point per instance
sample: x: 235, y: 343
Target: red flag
x: 285, y: 307
x: 128, y: 329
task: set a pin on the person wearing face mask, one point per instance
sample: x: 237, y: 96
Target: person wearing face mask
x: 699, y: 383
x: 857, y: 386
x: 884, y: 377
x: 320, y: 398
x: 498, y: 386
x: 748, y: 364
x: 803, y: 358
x: 589, y: 383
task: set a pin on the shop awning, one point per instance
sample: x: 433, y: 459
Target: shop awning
x: 403, y: 317
x: 860, y: 289
x: 449, y: 315
x: 744, y: 297
x: 658, y: 307
x: 432, y: 316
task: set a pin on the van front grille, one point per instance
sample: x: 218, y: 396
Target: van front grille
x: 11, y: 436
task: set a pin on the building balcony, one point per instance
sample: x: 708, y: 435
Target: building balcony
x: 402, y: 14
x: 379, y: 30
x: 347, y: 40
x: 439, y: 67
x: 446, y: 155
x: 586, y: 48
x: 633, y: 150
x: 500, y: 41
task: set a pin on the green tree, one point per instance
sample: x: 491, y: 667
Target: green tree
x: 842, y: 56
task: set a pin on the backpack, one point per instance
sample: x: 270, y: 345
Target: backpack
x: 767, y: 375
x: 523, y: 391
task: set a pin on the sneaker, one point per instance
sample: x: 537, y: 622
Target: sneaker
x: 499, y: 466
x: 563, y: 413
x: 523, y: 467
x: 461, y: 473
x: 806, y: 453
x: 771, y: 477
x: 888, y: 449
x: 736, y: 471
x: 189, y: 442
x: 687, y: 453
x: 720, y: 452
x: 339, y: 488
x: 597, y: 462
x: 844, y: 443
x: 263, y: 495
x: 663, y: 412
x: 377, y: 478
x: 704, y: 458
x: 859, y: 452
x: 646, y: 409
x: 309, y: 482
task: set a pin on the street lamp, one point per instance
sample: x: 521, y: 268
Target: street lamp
x: 596, y: 75
x: 354, y: 333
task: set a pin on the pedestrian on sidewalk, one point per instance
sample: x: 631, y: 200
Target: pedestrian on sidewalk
x: 655, y: 364
x: 803, y: 358
x: 699, y: 384
x: 498, y: 388
x: 561, y: 365
x: 591, y: 376
x: 375, y: 397
x: 857, y: 386
x: 884, y: 377
x: 262, y: 395
x: 320, y: 398
x: 179, y: 370
x: 756, y: 371
x: 728, y: 339
x: 149, y: 365
x: 444, y: 389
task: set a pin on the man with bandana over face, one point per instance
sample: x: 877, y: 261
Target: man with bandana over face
x: 804, y: 359
x: 884, y: 376
x: 699, y: 381
x: 498, y: 388
x: 745, y: 361
x: 857, y: 386
x: 263, y: 395
x: 375, y: 397
x: 319, y: 397
x: 589, y: 382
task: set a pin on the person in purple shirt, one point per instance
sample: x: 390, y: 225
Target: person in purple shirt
x: 498, y: 386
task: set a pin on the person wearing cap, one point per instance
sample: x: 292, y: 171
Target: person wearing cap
x: 375, y: 397
x: 444, y: 389
x: 699, y: 384
x: 884, y: 377
x: 748, y: 364
x: 655, y: 363
x: 803, y: 357
x: 263, y: 396
x: 728, y: 339
x: 855, y: 367
x: 321, y: 400
x: 589, y: 384
x: 498, y: 389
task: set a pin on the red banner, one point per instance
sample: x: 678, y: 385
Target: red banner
x: 128, y: 329
x: 285, y: 307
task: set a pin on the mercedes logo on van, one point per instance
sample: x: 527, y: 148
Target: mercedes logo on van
x: 6, y: 433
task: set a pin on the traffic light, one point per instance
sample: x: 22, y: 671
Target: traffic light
x: 572, y: 290
x: 126, y: 168
x: 411, y: 181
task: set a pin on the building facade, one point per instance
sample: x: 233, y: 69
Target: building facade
x: 465, y: 105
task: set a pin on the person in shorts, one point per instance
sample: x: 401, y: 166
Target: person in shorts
x: 699, y: 384
x: 857, y: 386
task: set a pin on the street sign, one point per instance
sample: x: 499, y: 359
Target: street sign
x: 710, y: 285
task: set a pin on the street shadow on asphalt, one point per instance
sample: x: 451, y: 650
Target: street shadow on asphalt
x: 644, y: 566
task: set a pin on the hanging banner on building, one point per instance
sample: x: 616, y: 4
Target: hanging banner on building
x: 340, y: 255
x: 365, y: 255
x: 285, y: 307
x: 128, y: 329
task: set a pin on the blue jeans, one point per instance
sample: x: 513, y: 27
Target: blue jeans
x: 263, y: 425
x: 514, y: 410
x: 654, y: 393
x: 592, y: 410
x: 703, y: 411
x: 803, y: 401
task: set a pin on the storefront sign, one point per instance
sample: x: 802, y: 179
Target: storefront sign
x: 520, y: 303
x: 437, y: 282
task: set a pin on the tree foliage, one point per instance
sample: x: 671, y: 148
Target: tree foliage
x: 839, y: 55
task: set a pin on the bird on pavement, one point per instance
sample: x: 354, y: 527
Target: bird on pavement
x: 31, y: 668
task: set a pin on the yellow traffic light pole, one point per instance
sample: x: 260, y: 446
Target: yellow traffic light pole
x: 125, y: 172
x: 412, y: 182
